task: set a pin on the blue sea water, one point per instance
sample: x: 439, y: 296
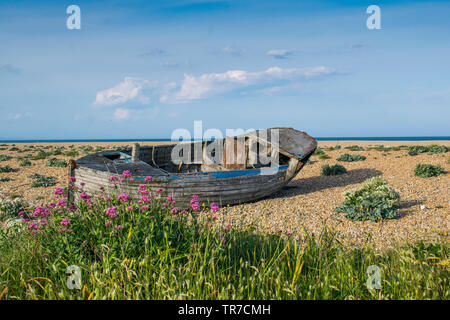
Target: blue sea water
x: 159, y: 140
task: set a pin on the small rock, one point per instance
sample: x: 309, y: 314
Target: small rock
x: 423, y: 207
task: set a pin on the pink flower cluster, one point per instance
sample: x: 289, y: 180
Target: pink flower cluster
x: 126, y: 174
x: 194, y: 203
x: 58, y: 192
x: 214, y: 207
x: 41, y: 212
x: 124, y: 197
x: 112, y: 212
x: 86, y: 198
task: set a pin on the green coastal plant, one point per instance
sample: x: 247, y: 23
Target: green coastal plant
x: 428, y: 170
x: 42, y: 181
x: 333, y: 170
x: 431, y: 149
x: 25, y: 163
x: 12, y: 208
x: 351, y: 157
x: 373, y: 201
x: 354, y: 148
x: 54, y: 162
x: 5, y: 157
x: 6, y: 168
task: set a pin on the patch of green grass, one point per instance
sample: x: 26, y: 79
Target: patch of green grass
x: 337, y: 147
x: 354, y: 148
x: 71, y: 153
x: 5, y: 179
x: 333, y: 170
x: 159, y: 255
x: 373, y: 201
x: 7, y: 169
x: 25, y: 163
x: 431, y: 149
x: 4, y: 157
x: 41, y: 155
x: 428, y: 170
x: 42, y: 181
x: 324, y: 156
x: 57, y: 163
x: 351, y: 157
x: 14, y: 149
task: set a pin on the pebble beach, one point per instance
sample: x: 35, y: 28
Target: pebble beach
x: 306, y: 205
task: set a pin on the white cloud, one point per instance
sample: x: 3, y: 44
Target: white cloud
x: 129, y: 89
x: 279, y: 54
x: 121, y: 114
x: 217, y: 83
x: 233, y: 50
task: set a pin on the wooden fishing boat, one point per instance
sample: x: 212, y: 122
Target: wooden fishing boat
x: 242, y: 173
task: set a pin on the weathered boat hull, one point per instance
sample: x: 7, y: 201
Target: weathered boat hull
x: 226, y: 187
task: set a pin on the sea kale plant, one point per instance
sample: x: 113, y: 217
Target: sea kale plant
x: 12, y: 208
x: 373, y: 201
x: 54, y: 162
x: 333, y: 170
x: 428, y: 170
x: 351, y: 157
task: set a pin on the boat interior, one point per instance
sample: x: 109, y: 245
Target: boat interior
x: 226, y: 154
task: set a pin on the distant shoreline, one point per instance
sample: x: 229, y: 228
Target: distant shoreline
x: 437, y: 138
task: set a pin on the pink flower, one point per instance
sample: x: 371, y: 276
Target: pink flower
x: 58, y: 192
x: 61, y: 203
x: 82, y: 184
x: 72, y: 179
x: 195, y: 197
x: 159, y: 190
x: 164, y: 205
x: 214, y: 207
x: 173, y: 211
x: 85, y: 196
x: 113, y: 179
x: 122, y: 180
x: 126, y: 174
x: 118, y: 227
x: 108, y: 223
x: 21, y: 214
x: 52, y: 205
x: 227, y: 227
x: 194, y: 205
x: 112, y: 212
x: 41, y: 212
x: 69, y: 230
x: 148, y: 178
x: 144, y: 208
x: 65, y: 222
x: 152, y: 217
x: 124, y: 197
x: 130, y: 208
x: 43, y: 222
x: 101, y: 188
x: 169, y: 199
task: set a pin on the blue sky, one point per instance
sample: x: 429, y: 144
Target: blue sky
x: 141, y: 69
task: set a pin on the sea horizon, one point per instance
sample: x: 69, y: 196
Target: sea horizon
x: 406, y: 138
